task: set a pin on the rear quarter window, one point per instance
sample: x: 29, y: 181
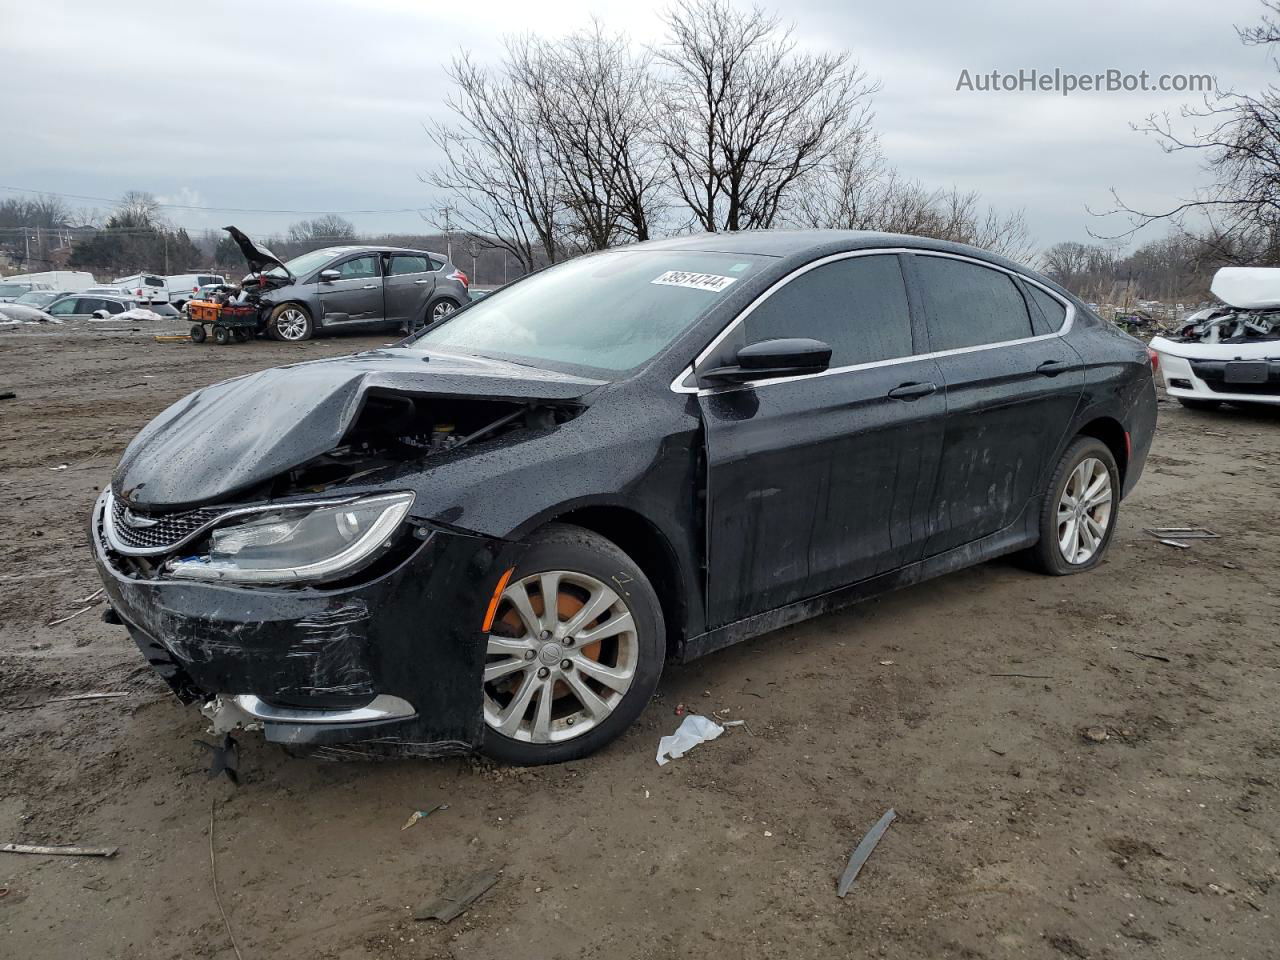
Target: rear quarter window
x: 1051, y: 308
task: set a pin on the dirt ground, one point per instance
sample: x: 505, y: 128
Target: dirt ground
x: 961, y: 703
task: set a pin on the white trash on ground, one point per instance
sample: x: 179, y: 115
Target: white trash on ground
x: 137, y: 313
x: 691, y: 732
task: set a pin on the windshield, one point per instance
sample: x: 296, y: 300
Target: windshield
x: 38, y: 298
x: 13, y: 289
x: 302, y: 265
x: 610, y: 311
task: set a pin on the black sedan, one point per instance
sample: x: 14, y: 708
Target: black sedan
x: 495, y: 534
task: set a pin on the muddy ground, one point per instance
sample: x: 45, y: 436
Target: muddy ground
x: 1017, y: 835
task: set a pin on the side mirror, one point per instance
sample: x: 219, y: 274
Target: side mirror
x: 769, y: 359
x: 101, y: 315
x: 328, y: 276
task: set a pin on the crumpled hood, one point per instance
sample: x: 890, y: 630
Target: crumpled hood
x: 234, y: 435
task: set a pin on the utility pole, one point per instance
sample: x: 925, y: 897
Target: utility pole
x: 448, y: 232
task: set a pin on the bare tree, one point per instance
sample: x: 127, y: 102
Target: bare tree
x: 1238, y: 134
x: 138, y: 208
x: 743, y: 117
x: 857, y: 190
x: 498, y: 166
x: 594, y: 100
x: 322, y: 229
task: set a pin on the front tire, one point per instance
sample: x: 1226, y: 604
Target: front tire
x: 291, y: 323
x: 1079, y: 512
x: 562, y: 680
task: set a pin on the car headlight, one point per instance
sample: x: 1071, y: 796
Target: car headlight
x: 287, y: 545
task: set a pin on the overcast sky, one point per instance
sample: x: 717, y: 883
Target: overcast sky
x: 318, y: 106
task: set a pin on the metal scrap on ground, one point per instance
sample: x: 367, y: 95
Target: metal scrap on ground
x: 61, y: 851
x: 862, y: 852
x: 89, y: 696
x: 1175, y: 536
x: 455, y: 901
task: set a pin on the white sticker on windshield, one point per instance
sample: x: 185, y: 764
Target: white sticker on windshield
x: 698, y: 281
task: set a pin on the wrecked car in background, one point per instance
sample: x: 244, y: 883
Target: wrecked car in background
x: 494, y: 535
x: 1230, y: 353
x: 348, y: 288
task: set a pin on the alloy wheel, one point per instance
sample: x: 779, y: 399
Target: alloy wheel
x: 442, y: 310
x: 292, y: 324
x: 1085, y: 511
x: 562, y: 654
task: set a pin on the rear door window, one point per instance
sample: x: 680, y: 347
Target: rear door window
x: 64, y: 307
x: 969, y: 305
x: 857, y: 306
x: 401, y: 264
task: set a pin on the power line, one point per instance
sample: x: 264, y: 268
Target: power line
x: 188, y: 206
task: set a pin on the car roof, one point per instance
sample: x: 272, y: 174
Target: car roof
x: 802, y: 246
x: 372, y: 249
x: 788, y: 243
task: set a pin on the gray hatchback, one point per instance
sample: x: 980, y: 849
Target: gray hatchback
x: 349, y: 288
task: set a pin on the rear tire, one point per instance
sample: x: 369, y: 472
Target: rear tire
x: 221, y: 336
x: 440, y: 309
x: 586, y: 570
x: 1200, y: 404
x: 1069, y: 536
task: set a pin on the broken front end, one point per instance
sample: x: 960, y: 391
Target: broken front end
x: 316, y: 600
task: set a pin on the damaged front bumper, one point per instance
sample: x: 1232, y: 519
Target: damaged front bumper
x: 396, y: 660
x: 1233, y: 372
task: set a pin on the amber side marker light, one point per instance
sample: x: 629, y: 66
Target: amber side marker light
x: 496, y: 599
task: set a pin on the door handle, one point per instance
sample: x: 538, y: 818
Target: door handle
x: 419, y: 282
x: 913, y: 391
x: 1051, y: 368
x: 370, y: 286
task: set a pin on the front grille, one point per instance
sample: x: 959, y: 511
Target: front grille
x: 168, y: 530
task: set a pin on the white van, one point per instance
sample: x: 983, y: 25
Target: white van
x: 68, y: 281
x: 146, y: 287
x: 184, y: 286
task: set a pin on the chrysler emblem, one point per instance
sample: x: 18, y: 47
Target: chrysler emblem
x: 138, y: 522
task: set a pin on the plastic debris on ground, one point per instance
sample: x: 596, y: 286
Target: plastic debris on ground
x: 862, y: 852
x: 456, y: 900
x: 137, y: 313
x: 693, y: 730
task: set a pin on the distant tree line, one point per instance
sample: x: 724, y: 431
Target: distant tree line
x: 1174, y: 269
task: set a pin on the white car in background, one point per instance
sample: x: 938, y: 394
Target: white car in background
x: 186, y: 286
x: 145, y: 287
x: 1231, y: 353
